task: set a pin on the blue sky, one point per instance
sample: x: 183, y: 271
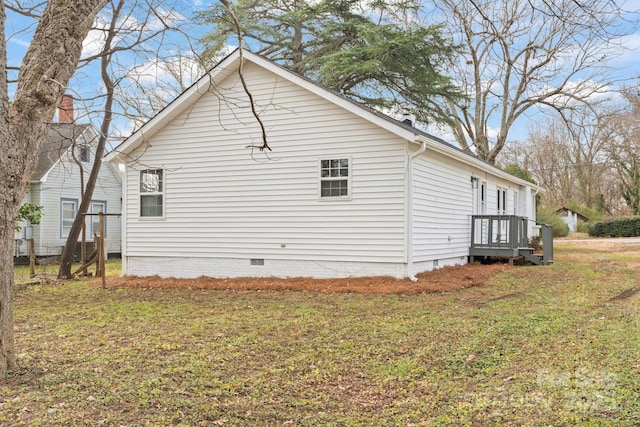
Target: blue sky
x: 19, y: 30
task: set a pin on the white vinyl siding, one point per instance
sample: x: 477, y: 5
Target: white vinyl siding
x: 442, y: 204
x: 63, y: 182
x: 229, y: 201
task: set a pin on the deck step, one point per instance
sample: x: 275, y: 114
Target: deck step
x: 535, y: 258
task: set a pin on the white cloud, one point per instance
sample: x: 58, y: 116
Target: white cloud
x: 629, y: 52
x: 584, y: 90
x: 19, y: 41
x: 178, y: 67
x: 93, y: 43
x: 134, y: 23
x: 162, y: 17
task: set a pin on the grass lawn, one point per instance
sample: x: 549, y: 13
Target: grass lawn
x: 539, y: 346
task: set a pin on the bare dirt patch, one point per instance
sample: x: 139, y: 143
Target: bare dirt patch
x: 625, y: 295
x: 444, y: 279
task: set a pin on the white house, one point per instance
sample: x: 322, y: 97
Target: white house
x: 345, y: 191
x: 56, y: 183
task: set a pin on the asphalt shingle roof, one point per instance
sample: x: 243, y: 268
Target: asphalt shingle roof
x: 59, y: 139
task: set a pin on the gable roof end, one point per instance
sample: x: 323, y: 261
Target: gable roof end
x: 231, y: 63
x: 59, y: 140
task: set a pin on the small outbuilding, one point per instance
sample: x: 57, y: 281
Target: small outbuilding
x: 570, y: 217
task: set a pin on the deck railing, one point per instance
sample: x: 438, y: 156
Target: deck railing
x: 507, y: 235
x: 499, y: 231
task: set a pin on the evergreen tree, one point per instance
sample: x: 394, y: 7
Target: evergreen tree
x: 378, y: 62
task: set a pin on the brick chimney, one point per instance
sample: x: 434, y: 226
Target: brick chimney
x: 65, y: 109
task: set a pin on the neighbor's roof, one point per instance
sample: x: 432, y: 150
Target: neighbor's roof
x: 59, y: 139
x: 231, y: 63
x: 565, y: 210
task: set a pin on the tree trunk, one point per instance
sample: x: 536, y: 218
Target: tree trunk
x: 8, y: 211
x: 79, y: 223
x: 49, y: 63
x: 7, y: 354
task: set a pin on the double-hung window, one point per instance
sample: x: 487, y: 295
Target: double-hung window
x: 68, y: 210
x: 151, y: 193
x: 98, y: 207
x: 335, y: 178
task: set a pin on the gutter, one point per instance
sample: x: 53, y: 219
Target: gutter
x: 409, y: 192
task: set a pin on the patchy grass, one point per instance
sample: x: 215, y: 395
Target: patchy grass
x: 46, y: 273
x: 537, y: 346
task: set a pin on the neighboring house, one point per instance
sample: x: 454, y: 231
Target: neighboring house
x: 55, y: 186
x: 346, y: 191
x: 571, y: 218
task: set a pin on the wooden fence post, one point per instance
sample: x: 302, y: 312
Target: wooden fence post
x: 32, y: 258
x: 97, y: 246
x: 102, y: 254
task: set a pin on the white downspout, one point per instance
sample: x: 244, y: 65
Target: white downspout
x: 123, y: 220
x: 409, y: 192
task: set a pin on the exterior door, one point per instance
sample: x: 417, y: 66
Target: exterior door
x: 480, y: 208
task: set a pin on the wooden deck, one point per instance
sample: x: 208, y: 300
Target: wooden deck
x: 507, y: 236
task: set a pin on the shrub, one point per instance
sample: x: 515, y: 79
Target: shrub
x: 618, y: 227
x: 591, y: 213
x: 560, y: 228
x: 582, y: 227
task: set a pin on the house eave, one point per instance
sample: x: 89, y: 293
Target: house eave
x: 448, y: 150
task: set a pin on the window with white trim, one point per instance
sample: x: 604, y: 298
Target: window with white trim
x: 151, y: 193
x: 68, y: 210
x: 96, y: 208
x: 334, y: 178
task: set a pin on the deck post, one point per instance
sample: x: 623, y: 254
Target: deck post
x: 547, y: 243
x: 473, y: 232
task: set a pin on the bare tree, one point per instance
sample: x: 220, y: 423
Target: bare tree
x: 570, y: 158
x: 624, y: 149
x: 521, y: 54
x: 49, y: 63
x: 125, y: 28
